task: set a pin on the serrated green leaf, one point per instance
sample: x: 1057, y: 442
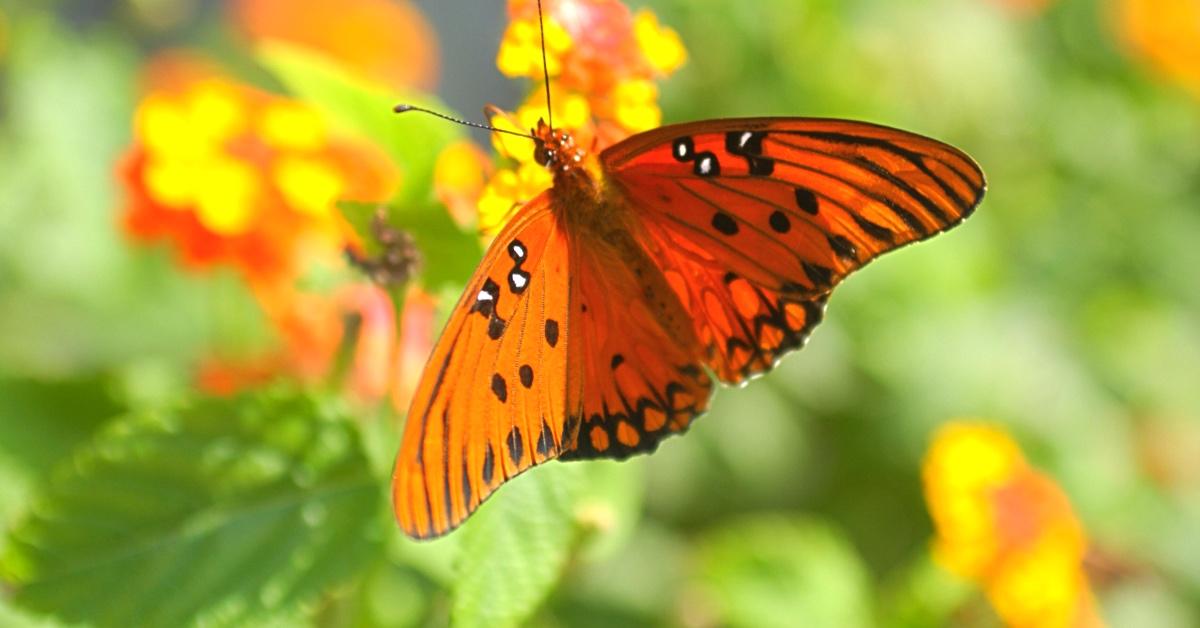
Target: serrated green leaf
x: 512, y: 552
x: 365, y: 108
x: 220, y: 513
x: 41, y: 423
x: 776, y: 571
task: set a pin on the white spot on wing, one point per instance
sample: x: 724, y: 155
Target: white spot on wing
x: 519, y: 280
x: 744, y: 139
x: 706, y: 165
x: 484, y: 295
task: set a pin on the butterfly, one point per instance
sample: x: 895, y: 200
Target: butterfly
x: 605, y: 308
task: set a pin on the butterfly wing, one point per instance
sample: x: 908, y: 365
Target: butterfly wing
x: 755, y: 220
x: 639, y: 375
x: 493, y: 394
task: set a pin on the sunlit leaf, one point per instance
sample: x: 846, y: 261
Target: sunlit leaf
x: 218, y: 513
x: 512, y: 552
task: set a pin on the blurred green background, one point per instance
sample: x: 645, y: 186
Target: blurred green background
x: 1067, y: 309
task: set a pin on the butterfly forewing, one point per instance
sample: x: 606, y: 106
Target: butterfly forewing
x: 755, y: 220
x: 492, y: 398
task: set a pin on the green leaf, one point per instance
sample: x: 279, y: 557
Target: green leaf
x: 512, y: 552
x: 224, y: 512
x: 775, y: 571
x: 365, y: 108
x: 41, y: 423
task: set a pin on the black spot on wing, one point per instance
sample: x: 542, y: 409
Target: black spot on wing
x: 683, y: 149
x: 819, y: 275
x: 485, y: 300
x: 843, y: 247
x: 489, y: 465
x: 876, y: 231
x: 706, y: 165
x: 496, y: 326
x: 779, y: 221
x: 526, y: 373
x: 806, y: 200
x: 724, y: 223
x: 552, y: 332
x: 545, y: 441
x: 499, y: 388
x: 516, y: 447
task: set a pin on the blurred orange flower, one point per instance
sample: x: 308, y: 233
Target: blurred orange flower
x: 1167, y: 34
x: 603, y: 62
x: 1003, y: 524
x: 386, y: 40
x: 233, y: 175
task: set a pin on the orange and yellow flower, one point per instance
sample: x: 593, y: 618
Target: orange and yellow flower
x: 1166, y: 33
x: 603, y: 62
x: 1010, y: 528
x: 233, y: 175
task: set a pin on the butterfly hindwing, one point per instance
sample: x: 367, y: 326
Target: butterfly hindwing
x: 640, y: 371
x: 491, y: 401
x: 754, y: 221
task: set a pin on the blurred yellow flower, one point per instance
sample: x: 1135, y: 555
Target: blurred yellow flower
x: 637, y: 105
x: 1167, y: 34
x: 521, y: 49
x: 660, y: 45
x: 1003, y: 524
x: 603, y: 62
x: 234, y: 175
x: 459, y: 175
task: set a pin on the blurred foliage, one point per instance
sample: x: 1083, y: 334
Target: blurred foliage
x: 1066, y: 309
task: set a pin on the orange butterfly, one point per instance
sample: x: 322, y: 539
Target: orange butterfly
x: 601, y: 312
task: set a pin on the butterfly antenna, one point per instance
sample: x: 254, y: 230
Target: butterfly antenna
x: 545, y: 67
x: 476, y: 125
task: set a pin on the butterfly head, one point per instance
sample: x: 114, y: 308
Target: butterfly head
x: 556, y: 150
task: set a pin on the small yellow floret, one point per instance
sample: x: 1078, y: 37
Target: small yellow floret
x: 636, y: 105
x: 292, y: 126
x: 521, y: 48
x: 216, y: 111
x: 226, y: 203
x: 308, y: 185
x: 170, y: 182
x: 661, y: 45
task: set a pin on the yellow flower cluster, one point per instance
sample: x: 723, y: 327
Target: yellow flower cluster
x: 190, y: 164
x: 1006, y: 526
x: 603, y: 62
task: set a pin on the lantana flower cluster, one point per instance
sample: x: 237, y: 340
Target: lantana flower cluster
x: 235, y: 177
x: 1008, y: 527
x: 603, y: 62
